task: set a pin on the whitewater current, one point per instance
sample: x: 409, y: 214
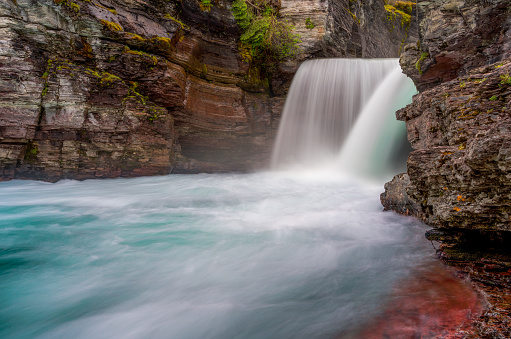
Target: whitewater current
x: 282, y: 254
x: 265, y: 255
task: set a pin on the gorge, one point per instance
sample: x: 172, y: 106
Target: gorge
x: 302, y: 253
x: 121, y: 88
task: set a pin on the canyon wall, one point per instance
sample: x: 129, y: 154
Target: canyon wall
x: 459, y: 124
x: 108, y: 88
x: 459, y: 174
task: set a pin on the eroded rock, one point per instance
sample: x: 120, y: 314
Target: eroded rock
x: 93, y: 89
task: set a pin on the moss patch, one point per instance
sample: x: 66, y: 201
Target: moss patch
x: 112, y: 26
x: 31, y: 152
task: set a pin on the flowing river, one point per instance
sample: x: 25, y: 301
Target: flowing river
x: 265, y: 255
x: 288, y: 253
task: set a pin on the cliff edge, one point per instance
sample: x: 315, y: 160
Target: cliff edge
x: 459, y: 126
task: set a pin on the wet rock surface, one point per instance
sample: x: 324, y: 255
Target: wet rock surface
x: 432, y: 302
x: 460, y: 128
x: 485, y: 259
x: 108, y: 88
x: 456, y: 36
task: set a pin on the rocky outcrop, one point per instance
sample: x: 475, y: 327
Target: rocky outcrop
x: 459, y: 124
x: 395, y: 198
x: 457, y: 36
x: 108, y: 88
x: 460, y: 128
x: 461, y: 133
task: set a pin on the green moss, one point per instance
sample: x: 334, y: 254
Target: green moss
x: 479, y: 81
x: 205, y: 5
x: 45, y: 90
x: 31, y: 152
x: 493, y: 98
x: 183, y: 26
x: 92, y: 72
x: 112, y: 26
x: 133, y: 93
x: 107, y: 79
x: 404, y: 6
x: 393, y: 12
x: 505, y: 79
x: 266, y: 38
x: 309, y: 24
x: 133, y: 36
x: 162, y: 44
x: 353, y: 15
x: 75, y: 7
x: 423, y: 57
x: 153, y: 113
x: 241, y: 13
x: 146, y: 56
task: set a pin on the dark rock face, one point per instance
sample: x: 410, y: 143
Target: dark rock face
x: 94, y: 89
x: 395, y: 197
x: 459, y: 125
x: 457, y: 36
x: 461, y: 133
x: 460, y: 128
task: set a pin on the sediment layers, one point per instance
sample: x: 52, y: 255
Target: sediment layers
x: 459, y: 174
x: 95, y: 89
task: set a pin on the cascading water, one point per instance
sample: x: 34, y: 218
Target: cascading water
x: 264, y: 255
x: 325, y: 101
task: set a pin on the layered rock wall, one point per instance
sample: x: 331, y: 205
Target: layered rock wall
x: 108, y: 88
x: 459, y: 123
x: 459, y: 174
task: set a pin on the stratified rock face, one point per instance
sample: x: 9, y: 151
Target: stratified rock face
x: 459, y: 125
x: 457, y: 36
x: 395, y: 197
x: 460, y: 170
x: 460, y: 128
x: 108, y: 88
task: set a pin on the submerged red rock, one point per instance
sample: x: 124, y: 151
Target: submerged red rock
x: 430, y: 303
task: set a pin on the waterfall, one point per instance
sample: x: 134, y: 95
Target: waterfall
x: 377, y: 139
x: 322, y: 111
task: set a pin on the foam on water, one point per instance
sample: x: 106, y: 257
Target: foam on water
x: 268, y: 255
x: 306, y: 254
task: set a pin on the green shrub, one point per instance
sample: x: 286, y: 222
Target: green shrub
x: 266, y: 38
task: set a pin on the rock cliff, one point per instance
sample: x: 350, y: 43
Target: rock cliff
x: 108, y: 88
x: 459, y: 125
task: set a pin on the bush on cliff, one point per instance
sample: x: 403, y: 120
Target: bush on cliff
x: 266, y: 38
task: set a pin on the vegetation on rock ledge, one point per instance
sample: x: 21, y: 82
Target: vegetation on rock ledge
x: 266, y: 38
x: 402, y: 9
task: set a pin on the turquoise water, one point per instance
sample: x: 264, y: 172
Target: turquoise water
x: 267, y: 255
